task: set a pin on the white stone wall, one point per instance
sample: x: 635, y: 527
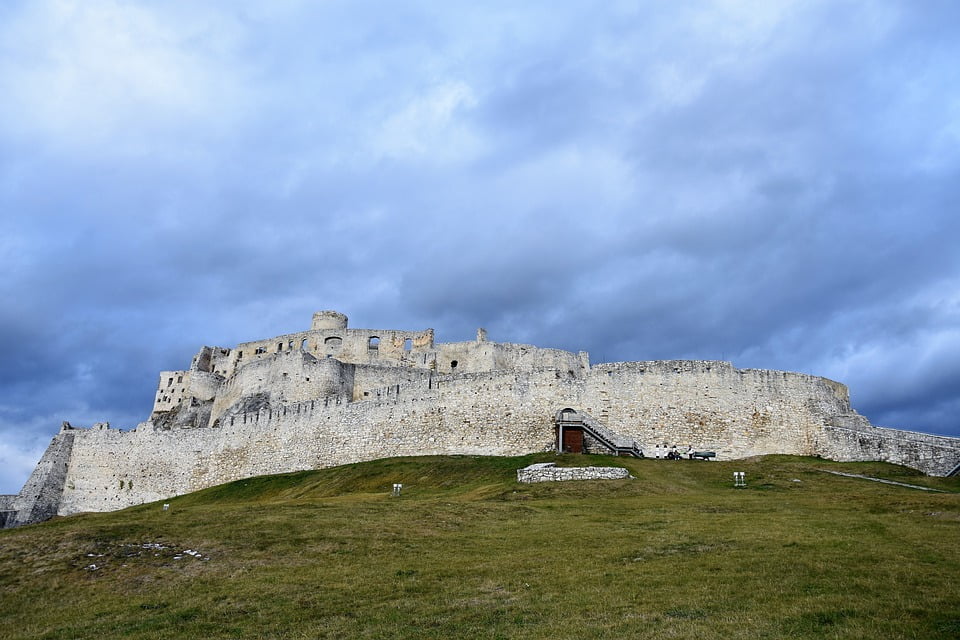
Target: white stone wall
x: 711, y: 405
x: 291, y: 407
x: 480, y: 356
x: 40, y: 497
x: 171, y: 390
x: 548, y: 472
x: 285, y: 378
x: 935, y: 455
x: 398, y: 348
x: 373, y: 381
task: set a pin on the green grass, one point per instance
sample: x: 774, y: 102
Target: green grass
x: 466, y: 552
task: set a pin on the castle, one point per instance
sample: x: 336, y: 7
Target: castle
x: 335, y: 395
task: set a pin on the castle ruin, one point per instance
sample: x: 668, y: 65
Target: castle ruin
x: 334, y: 395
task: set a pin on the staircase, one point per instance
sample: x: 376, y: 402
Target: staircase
x: 617, y: 444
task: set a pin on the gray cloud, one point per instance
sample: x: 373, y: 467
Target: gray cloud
x: 770, y: 184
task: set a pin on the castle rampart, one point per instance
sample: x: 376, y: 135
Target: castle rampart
x: 935, y: 455
x: 306, y: 404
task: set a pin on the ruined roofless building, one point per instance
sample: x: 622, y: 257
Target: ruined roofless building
x: 334, y: 395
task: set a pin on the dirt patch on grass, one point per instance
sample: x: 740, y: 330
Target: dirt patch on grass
x: 682, y: 550
x: 108, y: 557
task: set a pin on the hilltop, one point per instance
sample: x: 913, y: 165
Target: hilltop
x: 467, y: 552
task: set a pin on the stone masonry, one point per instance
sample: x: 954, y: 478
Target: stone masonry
x: 333, y: 395
x: 549, y: 472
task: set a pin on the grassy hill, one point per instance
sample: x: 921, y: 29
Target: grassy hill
x: 467, y: 552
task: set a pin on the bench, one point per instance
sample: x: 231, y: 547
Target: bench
x: 703, y: 455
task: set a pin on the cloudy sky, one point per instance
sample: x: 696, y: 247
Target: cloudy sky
x: 772, y: 183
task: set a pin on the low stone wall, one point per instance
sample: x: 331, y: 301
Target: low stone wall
x: 549, y: 472
x: 932, y: 454
x: 7, y: 512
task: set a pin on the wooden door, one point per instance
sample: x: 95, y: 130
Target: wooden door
x: 572, y: 440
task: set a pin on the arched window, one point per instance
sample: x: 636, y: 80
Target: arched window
x: 373, y: 343
x: 333, y: 343
x: 407, y: 344
x: 303, y: 345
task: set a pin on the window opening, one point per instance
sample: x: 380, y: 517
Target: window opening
x: 407, y: 344
x: 374, y: 342
x: 453, y: 364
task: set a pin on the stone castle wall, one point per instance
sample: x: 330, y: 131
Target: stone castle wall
x: 493, y: 413
x: 708, y: 404
x: 112, y: 469
x: 288, y: 378
x: 8, y: 514
x: 237, y: 413
x: 41, y: 496
x: 934, y: 455
x: 357, y: 346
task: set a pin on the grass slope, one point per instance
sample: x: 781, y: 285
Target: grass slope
x: 467, y: 552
